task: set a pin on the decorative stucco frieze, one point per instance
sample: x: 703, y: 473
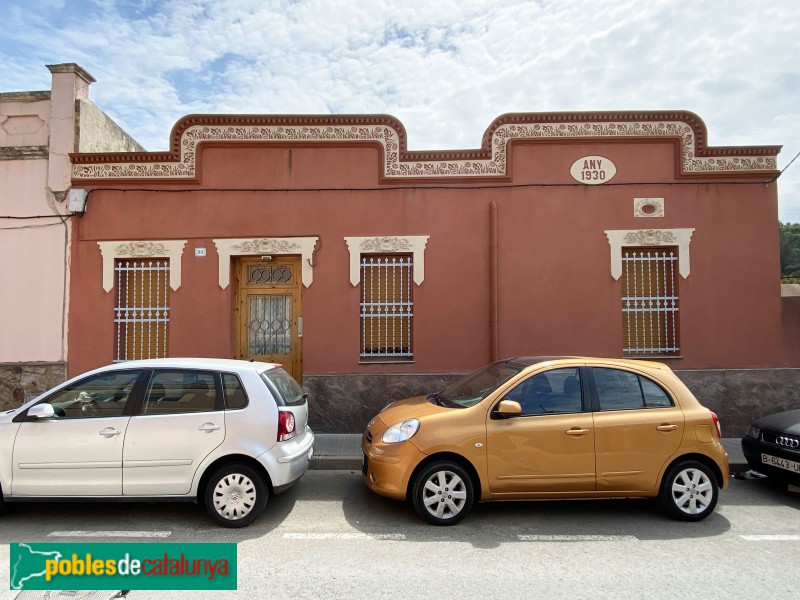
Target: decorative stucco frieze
x: 387, y: 244
x: 267, y: 246
x: 414, y: 244
x: 171, y: 249
x: 650, y: 237
x: 491, y: 160
x: 228, y: 247
x: 619, y: 238
x: 141, y: 249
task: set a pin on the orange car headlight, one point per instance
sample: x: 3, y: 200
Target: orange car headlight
x: 401, y: 431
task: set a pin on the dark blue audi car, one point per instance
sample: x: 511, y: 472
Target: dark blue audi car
x: 772, y: 446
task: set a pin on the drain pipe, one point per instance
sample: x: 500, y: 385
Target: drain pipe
x: 493, y: 334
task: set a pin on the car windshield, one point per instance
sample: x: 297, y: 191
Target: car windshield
x: 474, y: 387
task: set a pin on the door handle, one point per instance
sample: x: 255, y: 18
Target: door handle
x: 667, y: 427
x: 576, y: 431
x: 109, y: 432
x: 208, y: 427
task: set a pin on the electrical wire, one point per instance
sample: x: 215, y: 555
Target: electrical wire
x: 783, y: 170
x: 61, y: 220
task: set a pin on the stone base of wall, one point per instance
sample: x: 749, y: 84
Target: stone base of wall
x: 19, y: 381
x: 739, y: 396
x: 346, y: 403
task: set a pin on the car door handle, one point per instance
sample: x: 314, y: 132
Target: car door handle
x: 208, y: 427
x: 667, y: 427
x: 577, y: 431
x: 109, y: 432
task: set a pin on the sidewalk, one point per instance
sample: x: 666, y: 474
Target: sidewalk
x: 343, y: 451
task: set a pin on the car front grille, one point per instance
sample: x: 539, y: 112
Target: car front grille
x: 782, y: 440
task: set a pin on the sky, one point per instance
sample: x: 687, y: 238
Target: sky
x: 445, y: 68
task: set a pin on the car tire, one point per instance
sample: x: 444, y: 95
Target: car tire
x: 443, y: 493
x: 689, y: 491
x: 235, y: 495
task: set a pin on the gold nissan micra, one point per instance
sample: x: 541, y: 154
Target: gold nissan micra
x: 549, y: 427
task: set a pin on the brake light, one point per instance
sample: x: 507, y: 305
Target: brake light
x: 716, y: 422
x: 286, y: 430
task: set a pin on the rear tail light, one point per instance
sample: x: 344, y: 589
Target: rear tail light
x: 716, y: 422
x: 286, y: 429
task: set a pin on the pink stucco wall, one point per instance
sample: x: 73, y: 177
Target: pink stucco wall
x: 32, y: 250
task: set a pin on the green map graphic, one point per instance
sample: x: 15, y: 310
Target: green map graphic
x: 27, y: 563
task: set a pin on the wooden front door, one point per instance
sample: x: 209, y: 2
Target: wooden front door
x: 267, y: 312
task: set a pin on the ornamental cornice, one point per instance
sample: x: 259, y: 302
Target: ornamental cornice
x: 141, y: 249
x: 649, y: 237
x: 266, y: 245
x: 696, y: 158
x: 619, y: 238
x: 387, y: 244
x: 171, y: 249
x: 228, y: 247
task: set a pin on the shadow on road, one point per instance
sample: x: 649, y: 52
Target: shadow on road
x: 494, y: 523
x: 188, y: 522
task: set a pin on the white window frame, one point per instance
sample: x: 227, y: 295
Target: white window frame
x: 387, y: 244
x: 171, y: 249
x: 619, y: 238
x: 228, y: 247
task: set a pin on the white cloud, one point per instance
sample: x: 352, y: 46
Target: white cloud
x: 446, y: 69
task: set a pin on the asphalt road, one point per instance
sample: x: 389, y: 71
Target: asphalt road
x: 330, y: 537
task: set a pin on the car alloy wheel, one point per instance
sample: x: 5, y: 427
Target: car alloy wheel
x: 689, y: 491
x: 235, y: 496
x: 443, y: 493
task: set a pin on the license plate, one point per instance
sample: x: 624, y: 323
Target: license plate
x: 781, y: 463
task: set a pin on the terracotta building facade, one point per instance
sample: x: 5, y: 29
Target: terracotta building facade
x: 372, y: 272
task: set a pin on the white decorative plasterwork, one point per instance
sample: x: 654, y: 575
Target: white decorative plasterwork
x: 648, y: 207
x: 227, y: 247
x: 171, y: 249
x: 414, y: 244
x: 617, y: 238
x: 493, y: 163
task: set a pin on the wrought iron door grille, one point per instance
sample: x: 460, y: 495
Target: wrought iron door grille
x: 269, y: 325
x: 141, y: 315
x: 387, y: 307
x: 650, y: 302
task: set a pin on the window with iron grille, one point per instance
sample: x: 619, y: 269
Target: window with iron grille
x: 650, y: 302
x: 141, y: 315
x: 387, y: 306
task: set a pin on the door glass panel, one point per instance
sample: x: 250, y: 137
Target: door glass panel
x: 103, y: 395
x: 618, y: 390
x: 269, y: 325
x: 554, y: 391
x: 175, y: 392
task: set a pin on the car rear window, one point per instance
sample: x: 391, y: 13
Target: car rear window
x: 289, y: 391
x: 235, y: 396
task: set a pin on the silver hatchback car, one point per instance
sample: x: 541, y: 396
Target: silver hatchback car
x: 226, y: 433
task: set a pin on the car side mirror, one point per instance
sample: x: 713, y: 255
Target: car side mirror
x: 508, y: 408
x: 41, y: 411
